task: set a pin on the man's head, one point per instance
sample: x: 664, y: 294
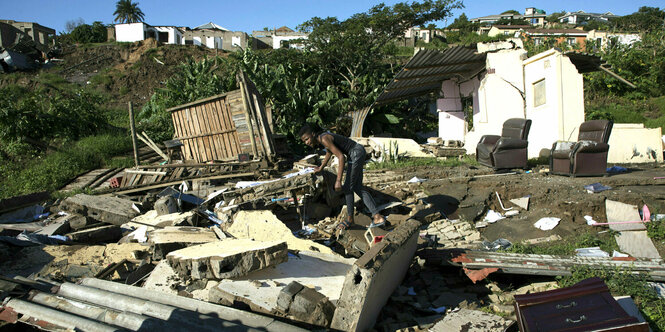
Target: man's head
x: 307, y: 135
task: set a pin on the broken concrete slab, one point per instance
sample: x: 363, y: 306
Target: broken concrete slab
x: 108, y: 233
x: 168, y: 239
x: 226, y: 259
x: 471, y: 321
x: 374, y: 276
x: 164, y: 279
x: 59, y: 226
x: 263, y: 225
x: 637, y: 244
x: 111, y: 210
x: 154, y: 220
x: 79, y: 222
x: 311, y: 307
x: 166, y: 205
x: 621, y: 212
x: 323, y: 272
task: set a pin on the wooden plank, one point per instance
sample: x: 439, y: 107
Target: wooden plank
x: 215, y: 130
x: 232, y: 139
x: 214, y: 139
x: 221, y: 122
x: 190, y: 118
x: 207, y: 139
x: 131, y: 171
x: 201, y: 157
x: 177, y: 125
x: 200, y: 101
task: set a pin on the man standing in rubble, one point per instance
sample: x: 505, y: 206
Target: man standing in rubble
x: 353, y: 153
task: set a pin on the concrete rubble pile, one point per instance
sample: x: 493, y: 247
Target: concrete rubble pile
x: 263, y: 255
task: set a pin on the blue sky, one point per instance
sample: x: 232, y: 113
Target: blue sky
x: 251, y: 15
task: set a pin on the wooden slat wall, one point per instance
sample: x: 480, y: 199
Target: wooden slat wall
x: 209, y: 129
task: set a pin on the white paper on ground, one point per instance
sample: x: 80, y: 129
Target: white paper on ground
x: 547, y: 223
x: 493, y: 216
x: 589, y: 220
x: 416, y: 179
x: 591, y: 252
x: 619, y: 254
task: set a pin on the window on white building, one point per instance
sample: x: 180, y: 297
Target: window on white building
x: 539, y: 93
x: 571, y: 41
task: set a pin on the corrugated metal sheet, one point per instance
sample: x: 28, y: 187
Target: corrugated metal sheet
x: 427, y: 69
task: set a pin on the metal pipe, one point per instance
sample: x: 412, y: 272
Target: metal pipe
x: 42, y: 316
x: 128, y: 320
x: 194, y: 320
x: 226, y: 313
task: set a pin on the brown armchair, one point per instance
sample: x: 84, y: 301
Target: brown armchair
x: 587, y: 156
x: 508, y: 150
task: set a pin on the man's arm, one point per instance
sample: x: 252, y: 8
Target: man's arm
x: 324, y: 163
x: 327, y: 142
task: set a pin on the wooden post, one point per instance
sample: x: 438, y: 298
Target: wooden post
x: 133, y: 130
x: 250, y: 127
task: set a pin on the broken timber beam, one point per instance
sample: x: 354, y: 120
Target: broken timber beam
x: 546, y: 265
x: 146, y: 187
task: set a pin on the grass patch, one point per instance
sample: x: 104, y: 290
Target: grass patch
x: 533, y: 162
x: 625, y: 282
x: 54, y: 170
x: 416, y: 162
x: 567, y: 246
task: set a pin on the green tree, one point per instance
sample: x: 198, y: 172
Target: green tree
x: 127, y: 11
x: 85, y: 33
x: 354, y: 51
x: 554, y: 17
x: 511, y: 11
x: 463, y: 24
x: 645, y: 19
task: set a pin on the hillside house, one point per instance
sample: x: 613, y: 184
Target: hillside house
x: 571, y: 37
x: 283, y: 37
x: 215, y: 36
x: 506, y: 30
x: 581, y: 17
x: 41, y: 35
x: 133, y: 32
x: 536, y: 17
x: 478, y: 87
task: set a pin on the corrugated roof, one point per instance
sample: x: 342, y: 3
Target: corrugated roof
x: 427, y: 69
x: 211, y: 26
x: 584, y: 62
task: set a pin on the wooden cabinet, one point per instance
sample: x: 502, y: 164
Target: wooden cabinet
x: 586, y: 306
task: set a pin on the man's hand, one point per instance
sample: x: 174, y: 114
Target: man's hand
x: 338, y: 185
x: 318, y: 169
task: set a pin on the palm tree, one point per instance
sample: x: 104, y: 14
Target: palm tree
x: 127, y: 11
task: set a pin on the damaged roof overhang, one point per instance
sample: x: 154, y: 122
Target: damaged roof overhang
x: 426, y: 70
x: 587, y: 63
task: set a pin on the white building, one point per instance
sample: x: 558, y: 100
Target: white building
x: 133, y: 32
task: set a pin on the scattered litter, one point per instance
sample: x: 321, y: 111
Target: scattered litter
x: 26, y: 239
x: 438, y: 310
x: 416, y: 179
x: 616, y: 169
x: 512, y: 213
x: 596, y: 188
x: 213, y: 217
x: 589, y: 220
x: 591, y: 252
x: 139, y: 234
x: 481, y: 224
x: 547, y: 223
x: 301, y: 172
x: 493, y: 216
x: 498, y: 244
x: 501, y: 203
x: 619, y: 254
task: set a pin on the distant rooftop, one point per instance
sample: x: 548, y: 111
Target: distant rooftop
x: 211, y: 26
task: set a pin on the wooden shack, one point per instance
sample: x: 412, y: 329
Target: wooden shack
x: 225, y: 127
